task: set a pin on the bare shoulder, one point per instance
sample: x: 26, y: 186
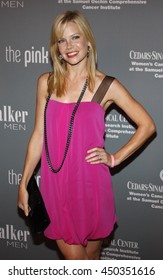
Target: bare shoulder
x: 42, y: 85
x: 42, y: 79
x: 115, y: 84
x: 115, y: 91
x: 99, y: 76
x: 98, y: 80
x: 118, y: 90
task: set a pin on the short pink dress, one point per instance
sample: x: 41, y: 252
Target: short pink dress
x: 79, y: 198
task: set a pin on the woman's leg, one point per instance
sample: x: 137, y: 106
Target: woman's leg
x: 78, y: 252
x: 93, y: 249
x: 72, y: 252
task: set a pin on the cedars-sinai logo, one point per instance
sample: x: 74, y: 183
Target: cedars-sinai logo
x: 12, y: 4
x: 13, y: 119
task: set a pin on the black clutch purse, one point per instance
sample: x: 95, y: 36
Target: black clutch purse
x: 38, y: 216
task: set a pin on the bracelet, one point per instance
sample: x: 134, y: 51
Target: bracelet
x: 112, y: 161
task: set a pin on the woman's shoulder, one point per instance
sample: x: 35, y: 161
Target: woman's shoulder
x: 100, y: 76
x: 43, y: 78
x: 42, y: 85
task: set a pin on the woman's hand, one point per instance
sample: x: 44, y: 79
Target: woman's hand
x: 23, y: 200
x: 98, y: 155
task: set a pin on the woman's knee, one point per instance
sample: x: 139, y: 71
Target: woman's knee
x: 94, y: 249
x: 94, y: 256
x: 72, y: 252
x: 76, y: 256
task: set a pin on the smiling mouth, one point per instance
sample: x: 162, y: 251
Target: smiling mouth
x: 72, y: 54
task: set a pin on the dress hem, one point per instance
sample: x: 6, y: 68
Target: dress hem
x: 70, y: 242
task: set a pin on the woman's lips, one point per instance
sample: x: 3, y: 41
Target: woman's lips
x: 72, y: 54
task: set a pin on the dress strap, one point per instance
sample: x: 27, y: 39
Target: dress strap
x: 102, y: 89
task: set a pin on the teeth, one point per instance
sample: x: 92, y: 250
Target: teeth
x: 72, y: 53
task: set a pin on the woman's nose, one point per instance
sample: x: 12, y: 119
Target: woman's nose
x: 69, y: 44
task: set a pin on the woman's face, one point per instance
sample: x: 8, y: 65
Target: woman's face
x: 73, y: 46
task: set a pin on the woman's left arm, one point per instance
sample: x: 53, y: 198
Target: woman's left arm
x: 136, y: 112
x: 119, y: 95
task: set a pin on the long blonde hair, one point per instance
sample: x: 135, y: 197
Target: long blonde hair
x: 57, y: 78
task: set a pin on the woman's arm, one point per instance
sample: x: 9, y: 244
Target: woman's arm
x: 34, y: 149
x: 136, y: 112
x: 119, y: 95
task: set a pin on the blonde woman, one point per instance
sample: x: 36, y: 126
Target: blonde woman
x: 68, y: 136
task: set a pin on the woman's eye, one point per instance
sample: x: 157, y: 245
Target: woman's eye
x: 61, y: 41
x: 75, y: 37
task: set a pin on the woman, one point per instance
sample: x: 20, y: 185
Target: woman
x: 75, y: 183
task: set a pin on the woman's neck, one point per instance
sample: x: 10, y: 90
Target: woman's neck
x: 76, y: 71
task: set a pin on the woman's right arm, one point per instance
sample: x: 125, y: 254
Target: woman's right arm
x: 34, y: 149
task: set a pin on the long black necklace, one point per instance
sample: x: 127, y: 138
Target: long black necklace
x: 69, y: 130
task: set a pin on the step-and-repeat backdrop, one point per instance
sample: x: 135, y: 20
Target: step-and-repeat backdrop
x: 130, y: 47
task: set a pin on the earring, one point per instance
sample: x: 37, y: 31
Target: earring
x: 88, y: 51
x: 60, y: 57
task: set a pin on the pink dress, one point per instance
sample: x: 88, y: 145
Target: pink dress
x: 79, y: 198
